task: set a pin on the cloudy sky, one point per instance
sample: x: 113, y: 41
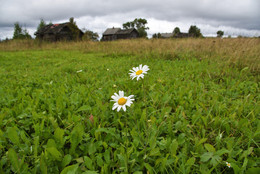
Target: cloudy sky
x: 234, y: 17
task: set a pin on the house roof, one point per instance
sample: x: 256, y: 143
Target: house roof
x: 166, y: 35
x: 111, y: 31
x: 53, y: 28
x: 126, y: 31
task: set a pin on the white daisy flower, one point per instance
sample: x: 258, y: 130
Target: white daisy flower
x: 138, y: 72
x: 228, y: 164
x: 121, y: 101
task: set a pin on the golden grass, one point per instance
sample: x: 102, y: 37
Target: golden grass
x: 239, y: 52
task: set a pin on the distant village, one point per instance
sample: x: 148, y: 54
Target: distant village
x: 69, y: 31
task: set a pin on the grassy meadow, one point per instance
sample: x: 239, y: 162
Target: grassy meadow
x: 195, y: 110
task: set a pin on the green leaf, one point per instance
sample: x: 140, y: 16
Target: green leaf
x: 209, y: 148
x: 14, y: 160
x: 201, y: 141
x: 174, y: 147
x: 54, y: 153
x: 90, y: 172
x: 108, y: 131
x: 221, y: 152
x: 76, y: 137
x: 58, y: 135
x: 43, y: 165
x: 148, y: 167
x: 155, y: 152
x: 88, y: 162
x: 253, y: 170
x: 206, y: 156
x: 215, y: 160
x: 91, y: 148
x: 190, y: 161
x: 66, y: 160
x: 84, y: 108
x: 107, y: 156
x: 70, y: 169
x: 13, y: 135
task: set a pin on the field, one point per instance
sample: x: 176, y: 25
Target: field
x: 196, y: 108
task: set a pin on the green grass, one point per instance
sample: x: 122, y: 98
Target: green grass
x: 189, y: 116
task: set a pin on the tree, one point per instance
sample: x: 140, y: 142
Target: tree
x: 41, y: 25
x: 90, y: 35
x: 74, y: 28
x: 19, y: 33
x: 139, y: 25
x: 157, y: 35
x: 220, y: 33
x: 195, y: 31
x: 176, y: 31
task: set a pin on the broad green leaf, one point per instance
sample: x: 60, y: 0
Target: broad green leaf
x: 66, y: 160
x: 155, y: 152
x: 253, y: 170
x: 221, y: 152
x: 88, y: 163
x: 174, y: 147
x: 43, y: 165
x: 215, y: 160
x: 206, y: 156
x: 203, y: 140
x: 90, y: 172
x: 149, y: 167
x: 84, y: 108
x: 107, y: 156
x: 70, y: 169
x: 13, y: 135
x: 209, y: 147
x: 58, y: 135
x: 108, y: 131
x: 54, y: 153
x: 190, y: 161
x: 14, y: 160
x: 76, y: 136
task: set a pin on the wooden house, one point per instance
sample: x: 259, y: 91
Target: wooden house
x: 116, y: 33
x: 58, y: 32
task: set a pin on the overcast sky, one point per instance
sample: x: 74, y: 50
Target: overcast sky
x: 234, y: 17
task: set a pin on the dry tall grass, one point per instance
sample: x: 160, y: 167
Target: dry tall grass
x: 239, y: 52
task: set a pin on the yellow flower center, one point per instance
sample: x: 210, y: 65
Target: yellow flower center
x: 122, y: 101
x: 228, y: 164
x: 139, y: 72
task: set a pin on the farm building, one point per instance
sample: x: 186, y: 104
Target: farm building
x: 172, y: 35
x: 117, y: 33
x: 166, y: 35
x: 182, y: 35
x: 57, y: 32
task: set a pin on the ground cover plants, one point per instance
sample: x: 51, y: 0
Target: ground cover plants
x: 193, y: 112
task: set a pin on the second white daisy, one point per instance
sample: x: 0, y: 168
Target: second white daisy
x: 138, y: 72
x: 121, y: 101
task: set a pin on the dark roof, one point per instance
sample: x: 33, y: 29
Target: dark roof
x: 111, y: 31
x: 126, y: 31
x: 53, y: 28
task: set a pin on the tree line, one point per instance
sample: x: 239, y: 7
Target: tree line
x: 139, y: 24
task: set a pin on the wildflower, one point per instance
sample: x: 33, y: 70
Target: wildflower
x: 114, y: 86
x: 121, y: 101
x: 138, y: 72
x: 79, y: 71
x: 228, y: 164
x: 91, y: 118
x: 107, y: 69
